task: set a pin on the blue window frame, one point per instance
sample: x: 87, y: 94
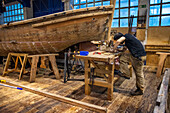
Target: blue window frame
x: 90, y: 3
x: 13, y: 13
x: 159, y: 13
x: 123, y: 10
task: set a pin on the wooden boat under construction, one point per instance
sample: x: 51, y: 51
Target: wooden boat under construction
x: 56, y: 32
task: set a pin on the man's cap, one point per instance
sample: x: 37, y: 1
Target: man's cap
x: 118, y: 35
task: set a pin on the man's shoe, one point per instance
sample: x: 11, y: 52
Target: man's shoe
x: 137, y: 92
x: 123, y: 75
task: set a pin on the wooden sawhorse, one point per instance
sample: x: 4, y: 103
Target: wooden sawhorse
x: 162, y: 58
x: 33, y: 60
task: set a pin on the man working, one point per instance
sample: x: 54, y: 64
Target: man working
x: 135, y: 56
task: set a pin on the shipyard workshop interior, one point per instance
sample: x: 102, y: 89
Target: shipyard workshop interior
x: 84, y: 56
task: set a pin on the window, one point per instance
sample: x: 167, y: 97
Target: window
x: 13, y: 13
x: 89, y: 3
x: 159, y: 13
x: 123, y: 10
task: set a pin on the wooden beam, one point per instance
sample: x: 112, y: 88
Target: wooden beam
x: 161, y: 101
x: 62, y: 98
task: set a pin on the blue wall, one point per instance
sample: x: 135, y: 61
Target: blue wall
x: 44, y: 7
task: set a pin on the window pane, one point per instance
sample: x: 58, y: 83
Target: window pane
x: 16, y: 18
x: 19, y: 17
x: 165, y: 21
x: 155, y: 10
x: 124, y: 3
x: 123, y: 22
x: 155, y: 1
x: 13, y: 18
x: 154, y: 21
x: 19, y: 6
x: 22, y: 12
x: 19, y: 12
x: 9, y: 7
x: 134, y: 22
x: 4, y: 19
x: 115, y: 23
x: 76, y: 7
x: 116, y: 13
x: 9, y: 13
x: 16, y: 13
x: 124, y: 12
x: 166, y: 9
x: 89, y: 0
x: 10, y: 18
x: 98, y: 4
x: 7, y: 19
x: 76, y: 2
x: 117, y: 4
x: 106, y: 3
x: 83, y: 1
x: 22, y: 17
x: 133, y: 2
x: 90, y: 5
x: 4, y: 14
x: 83, y: 6
x: 15, y: 6
x: 97, y: 0
x: 6, y: 8
x: 165, y: 1
x: 134, y: 11
x: 13, y: 13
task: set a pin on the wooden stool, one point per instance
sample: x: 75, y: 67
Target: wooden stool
x: 162, y: 58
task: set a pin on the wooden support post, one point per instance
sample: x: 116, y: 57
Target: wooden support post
x: 23, y: 66
x: 43, y: 62
x: 34, y: 63
x: 161, y: 64
x: 54, y: 66
x: 111, y: 81
x: 7, y: 64
x: 87, y: 87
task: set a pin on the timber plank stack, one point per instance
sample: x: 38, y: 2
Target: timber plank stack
x: 13, y: 100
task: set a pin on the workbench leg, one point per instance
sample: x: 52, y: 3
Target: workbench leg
x: 111, y: 81
x: 54, y: 66
x: 34, y: 63
x: 7, y: 64
x: 87, y: 87
x: 161, y: 64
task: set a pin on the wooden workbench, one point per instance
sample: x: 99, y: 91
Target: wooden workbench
x: 106, y: 71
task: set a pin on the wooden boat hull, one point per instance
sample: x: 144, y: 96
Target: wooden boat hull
x: 56, y: 32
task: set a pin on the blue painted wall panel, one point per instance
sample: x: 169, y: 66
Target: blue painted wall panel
x: 45, y: 7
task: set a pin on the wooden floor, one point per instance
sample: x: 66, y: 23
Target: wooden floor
x: 20, y: 101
